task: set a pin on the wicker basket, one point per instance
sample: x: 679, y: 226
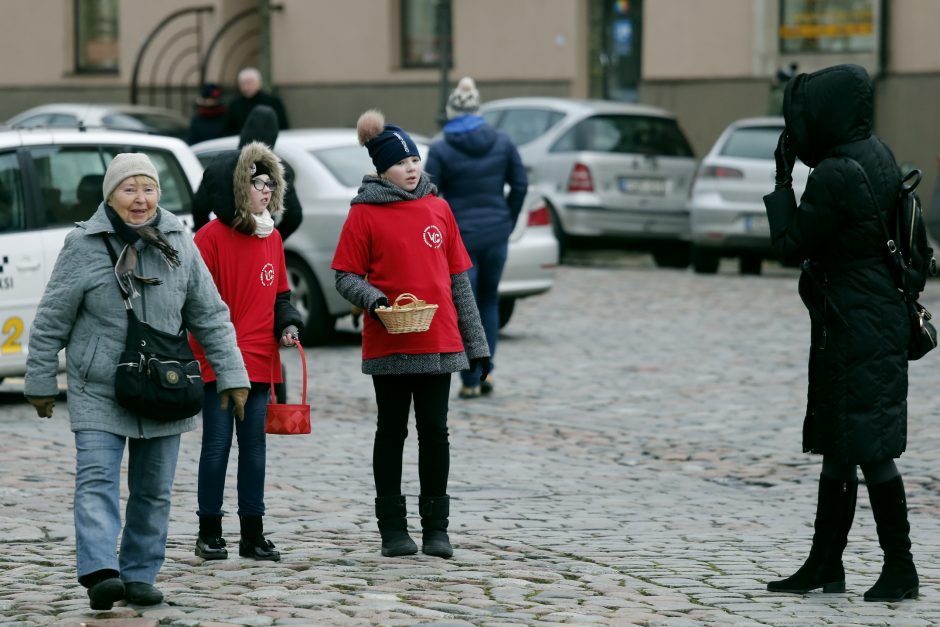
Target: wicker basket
x: 414, y: 316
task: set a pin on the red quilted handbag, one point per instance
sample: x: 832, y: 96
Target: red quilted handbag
x: 288, y: 419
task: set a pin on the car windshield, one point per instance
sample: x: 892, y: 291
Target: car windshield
x: 752, y: 142
x: 646, y: 135
x: 523, y: 125
x: 346, y: 163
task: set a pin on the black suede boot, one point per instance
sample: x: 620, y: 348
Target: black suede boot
x: 898, y: 580
x: 210, y: 545
x: 434, y: 513
x: 104, y: 588
x: 253, y: 544
x: 393, y: 525
x: 835, y: 510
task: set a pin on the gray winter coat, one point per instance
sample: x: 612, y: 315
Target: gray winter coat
x: 82, y: 311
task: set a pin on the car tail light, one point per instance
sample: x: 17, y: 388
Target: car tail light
x: 580, y: 179
x: 721, y: 172
x: 539, y: 217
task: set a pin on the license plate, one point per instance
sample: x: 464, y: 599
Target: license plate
x: 756, y: 224
x: 649, y: 187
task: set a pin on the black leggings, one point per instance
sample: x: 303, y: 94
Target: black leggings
x: 875, y: 472
x: 393, y: 394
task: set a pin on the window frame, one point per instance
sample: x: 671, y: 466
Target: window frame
x: 404, y: 37
x: 82, y: 66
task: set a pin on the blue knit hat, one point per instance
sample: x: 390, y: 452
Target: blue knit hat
x: 388, y: 146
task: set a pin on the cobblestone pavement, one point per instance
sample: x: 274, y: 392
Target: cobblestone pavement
x: 638, y: 464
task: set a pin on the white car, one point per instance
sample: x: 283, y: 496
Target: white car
x: 726, y: 201
x: 328, y: 167
x: 115, y: 116
x: 50, y: 179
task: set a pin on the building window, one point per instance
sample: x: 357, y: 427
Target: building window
x: 96, y: 36
x: 424, y: 23
x: 843, y: 26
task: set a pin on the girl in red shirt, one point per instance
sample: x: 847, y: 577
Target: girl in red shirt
x: 404, y: 238
x: 245, y: 255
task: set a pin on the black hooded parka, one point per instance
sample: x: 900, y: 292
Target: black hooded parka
x: 857, y: 400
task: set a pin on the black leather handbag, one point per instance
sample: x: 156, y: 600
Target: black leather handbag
x: 157, y: 376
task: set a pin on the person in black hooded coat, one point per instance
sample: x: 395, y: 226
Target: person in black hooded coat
x: 856, y: 410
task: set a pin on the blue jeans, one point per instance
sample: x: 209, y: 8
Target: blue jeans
x: 97, y: 509
x: 217, y: 428
x: 484, y: 277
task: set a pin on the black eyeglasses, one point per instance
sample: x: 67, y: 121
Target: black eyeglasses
x: 260, y: 184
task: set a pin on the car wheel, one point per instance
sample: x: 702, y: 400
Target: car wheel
x: 676, y: 255
x: 307, y: 297
x: 506, y: 307
x: 750, y: 264
x: 705, y: 261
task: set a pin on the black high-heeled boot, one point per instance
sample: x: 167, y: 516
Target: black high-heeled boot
x: 835, y: 511
x: 210, y: 545
x: 253, y: 544
x: 898, y: 580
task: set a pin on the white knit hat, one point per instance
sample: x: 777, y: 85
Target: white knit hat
x: 124, y: 165
x: 464, y: 99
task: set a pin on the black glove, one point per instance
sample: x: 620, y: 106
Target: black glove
x: 785, y: 158
x: 379, y: 302
x: 483, y: 363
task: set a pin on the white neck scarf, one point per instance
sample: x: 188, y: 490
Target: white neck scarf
x: 264, y: 224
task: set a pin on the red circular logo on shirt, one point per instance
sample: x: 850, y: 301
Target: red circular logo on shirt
x: 267, y: 275
x: 433, y: 237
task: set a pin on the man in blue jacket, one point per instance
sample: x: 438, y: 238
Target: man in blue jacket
x: 471, y: 165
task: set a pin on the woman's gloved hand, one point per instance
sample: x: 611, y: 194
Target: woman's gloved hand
x: 483, y: 363
x: 785, y: 157
x: 43, y: 405
x: 290, y: 335
x: 238, y: 396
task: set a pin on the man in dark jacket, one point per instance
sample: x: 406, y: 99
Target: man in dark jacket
x: 857, y: 402
x: 252, y: 93
x: 471, y: 165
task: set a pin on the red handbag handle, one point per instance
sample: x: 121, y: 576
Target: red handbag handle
x: 303, y: 360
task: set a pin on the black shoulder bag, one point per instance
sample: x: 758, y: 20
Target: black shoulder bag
x: 923, y: 335
x: 157, y: 376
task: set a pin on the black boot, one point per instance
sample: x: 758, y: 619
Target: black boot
x: 104, y: 588
x: 835, y: 510
x: 898, y: 580
x: 393, y: 525
x: 210, y: 545
x: 253, y: 544
x: 434, y: 512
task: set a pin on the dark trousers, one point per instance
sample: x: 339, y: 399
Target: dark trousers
x: 484, y: 278
x: 393, y: 395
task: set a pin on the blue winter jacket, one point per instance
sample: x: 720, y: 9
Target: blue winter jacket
x: 471, y: 165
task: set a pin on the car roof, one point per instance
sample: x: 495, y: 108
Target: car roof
x: 581, y: 106
x: 83, y: 109
x: 761, y: 121
x: 73, y: 136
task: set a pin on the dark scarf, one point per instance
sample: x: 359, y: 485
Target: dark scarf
x: 126, y: 267
x: 376, y: 190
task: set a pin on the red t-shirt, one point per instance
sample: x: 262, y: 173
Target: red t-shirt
x: 249, y: 273
x: 408, y: 246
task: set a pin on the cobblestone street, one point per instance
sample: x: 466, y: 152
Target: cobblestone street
x: 639, y: 463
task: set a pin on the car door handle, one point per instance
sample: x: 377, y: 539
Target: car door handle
x: 27, y: 265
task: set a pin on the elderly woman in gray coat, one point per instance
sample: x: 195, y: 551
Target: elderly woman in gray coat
x: 82, y: 311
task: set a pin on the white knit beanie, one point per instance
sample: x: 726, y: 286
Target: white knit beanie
x: 464, y: 99
x: 124, y: 165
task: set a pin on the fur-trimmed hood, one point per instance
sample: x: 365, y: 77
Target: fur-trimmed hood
x: 227, y: 178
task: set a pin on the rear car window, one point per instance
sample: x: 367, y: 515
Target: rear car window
x: 633, y: 134
x: 347, y: 164
x: 70, y: 179
x: 523, y: 125
x: 752, y: 142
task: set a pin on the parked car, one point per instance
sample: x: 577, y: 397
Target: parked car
x: 606, y: 169
x: 726, y: 206
x: 48, y: 181
x: 117, y: 116
x: 328, y: 167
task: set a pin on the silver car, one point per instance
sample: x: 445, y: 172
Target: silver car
x: 606, y: 169
x: 726, y: 206
x: 328, y: 167
x: 117, y: 116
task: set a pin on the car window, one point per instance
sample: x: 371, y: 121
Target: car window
x: 162, y: 124
x: 122, y: 121
x: 752, y: 142
x: 66, y: 193
x: 42, y: 119
x: 12, y: 203
x: 346, y: 163
x: 632, y: 134
x: 63, y: 119
x: 525, y: 125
